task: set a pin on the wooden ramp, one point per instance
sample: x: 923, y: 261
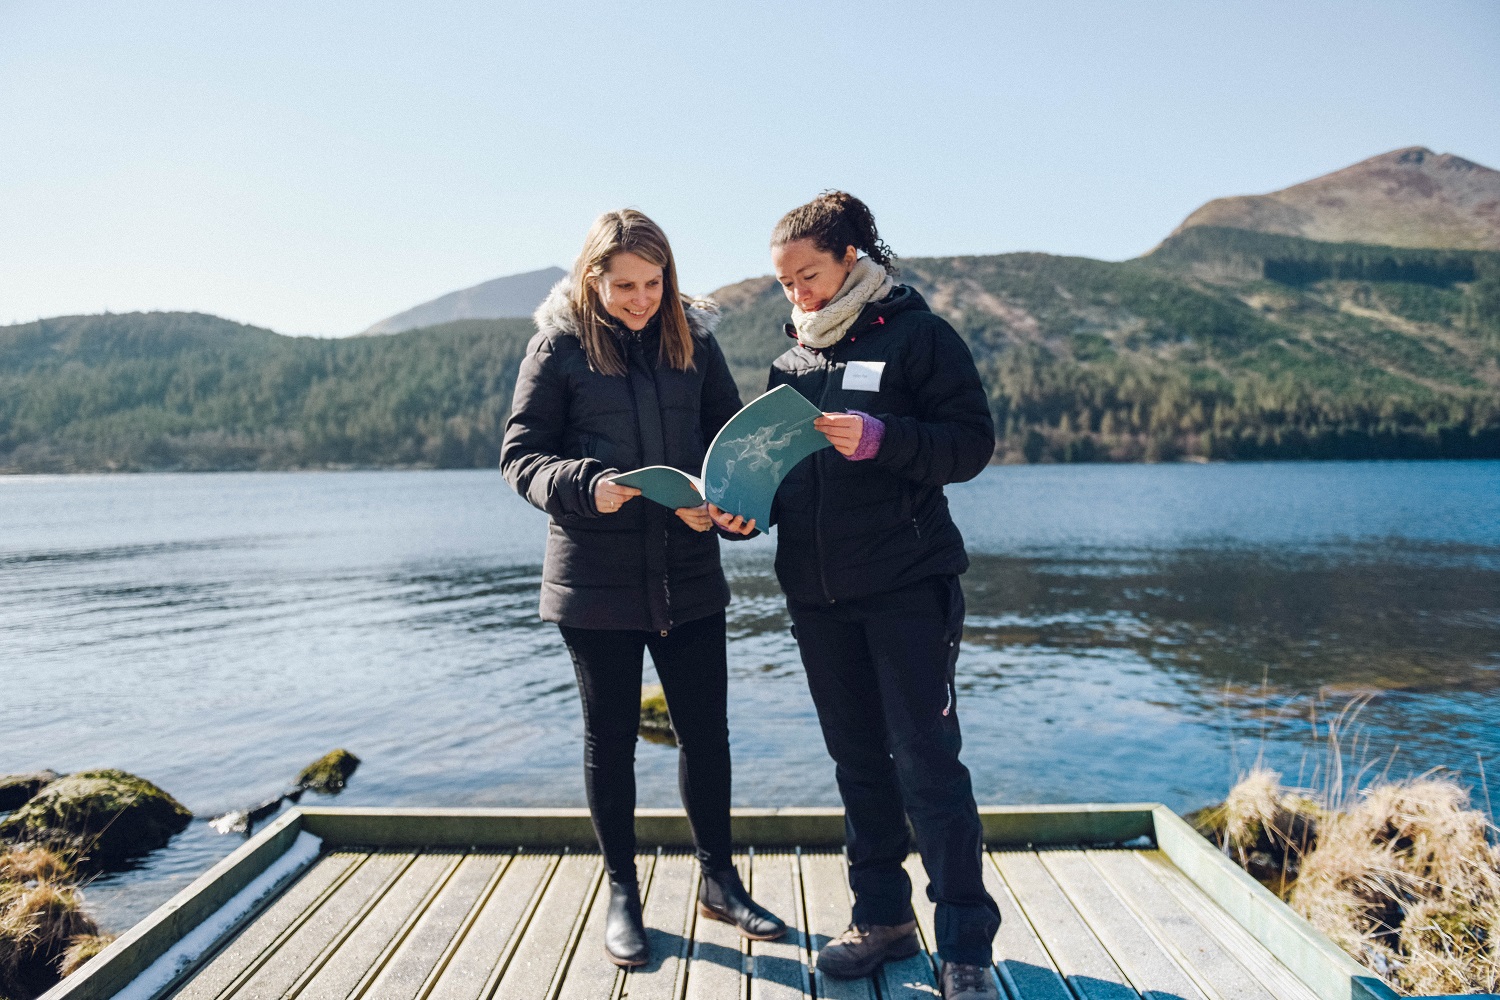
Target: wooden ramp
x: 450, y: 925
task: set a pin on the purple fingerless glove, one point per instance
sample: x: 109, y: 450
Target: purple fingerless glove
x: 871, y: 433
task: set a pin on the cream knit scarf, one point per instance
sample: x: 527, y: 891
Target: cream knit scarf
x: 867, y: 282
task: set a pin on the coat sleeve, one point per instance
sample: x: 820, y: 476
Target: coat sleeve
x: 952, y: 438
x: 529, y: 454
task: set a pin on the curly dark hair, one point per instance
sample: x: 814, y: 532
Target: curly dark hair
x: 834, y: 221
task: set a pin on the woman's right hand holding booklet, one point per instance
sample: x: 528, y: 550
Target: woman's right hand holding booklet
x: 610, y: 497
x: 732, y: 523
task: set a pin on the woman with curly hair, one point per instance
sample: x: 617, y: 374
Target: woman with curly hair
x: 869, y: 559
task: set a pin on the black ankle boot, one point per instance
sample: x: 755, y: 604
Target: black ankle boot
x: 625, y: 939
x: 722, y: 896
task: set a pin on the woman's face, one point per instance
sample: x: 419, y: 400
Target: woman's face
x: 811, y: 277
x: 630, y: 289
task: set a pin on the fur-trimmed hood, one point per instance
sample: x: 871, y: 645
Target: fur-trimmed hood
x: 555, y: 314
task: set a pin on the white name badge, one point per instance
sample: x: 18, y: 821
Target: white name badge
x: 863, y: 376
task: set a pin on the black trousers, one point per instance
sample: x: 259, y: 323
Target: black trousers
x: 691, y: 662
x: 880, y: 669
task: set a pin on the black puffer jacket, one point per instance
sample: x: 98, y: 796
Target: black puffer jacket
x: 850, y: 529
x: 640, y: 567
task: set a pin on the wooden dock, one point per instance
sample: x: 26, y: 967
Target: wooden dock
x: 446, y: 914
x: 471, y: 926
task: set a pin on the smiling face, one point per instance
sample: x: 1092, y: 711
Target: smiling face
x: 630, y: 289
x: 811, y: 277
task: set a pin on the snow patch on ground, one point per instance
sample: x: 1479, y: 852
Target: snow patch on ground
x: 160, y: 973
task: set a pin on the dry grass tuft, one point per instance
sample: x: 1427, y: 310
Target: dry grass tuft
x: 1265, y: 827
x: 1405, y: 876
x: 1252, y: 805
x: 41, y: 914
x: 80, y: 950
x: 33, y: 864
x: 1407, y: 879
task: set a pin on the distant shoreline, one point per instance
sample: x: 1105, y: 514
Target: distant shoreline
x: 1189, y: 460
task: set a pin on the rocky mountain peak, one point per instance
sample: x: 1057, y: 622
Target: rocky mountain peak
x: 1409, y: 197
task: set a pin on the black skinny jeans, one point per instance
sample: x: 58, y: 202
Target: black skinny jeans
x: 880, y: 669
x: 691, y: 662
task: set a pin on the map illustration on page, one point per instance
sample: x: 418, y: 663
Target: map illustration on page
x: 746, y: 462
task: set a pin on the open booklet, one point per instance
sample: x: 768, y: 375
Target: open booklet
x: 746, y: 462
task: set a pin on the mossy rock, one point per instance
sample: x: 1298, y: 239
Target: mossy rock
x: 107, y: 816
x: 656, y: 722
x: 18, y: 789
x: 329, y: 773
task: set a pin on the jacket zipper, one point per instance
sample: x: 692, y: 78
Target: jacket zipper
x: 666, y: 531
x: 818, y: 479
x: 634, y: 346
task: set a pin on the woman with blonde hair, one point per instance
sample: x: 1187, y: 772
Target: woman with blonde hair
x: 625, y: 373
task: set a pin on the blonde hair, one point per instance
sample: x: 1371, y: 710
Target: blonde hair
x: 627, y: 231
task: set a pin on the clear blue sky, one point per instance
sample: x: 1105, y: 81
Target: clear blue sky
x: 314, y: 167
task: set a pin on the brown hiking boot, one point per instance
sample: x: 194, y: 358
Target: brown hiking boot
x: 860, y: 950
x: 968, y: 982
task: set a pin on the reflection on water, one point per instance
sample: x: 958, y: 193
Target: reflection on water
x: 1136, y: 633
x: 1384, y: 616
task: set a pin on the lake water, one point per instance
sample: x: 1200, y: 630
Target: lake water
x: 1134, y: 633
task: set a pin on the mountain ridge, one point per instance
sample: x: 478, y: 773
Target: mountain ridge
x: 1408, y: 197
x: 513, y: 296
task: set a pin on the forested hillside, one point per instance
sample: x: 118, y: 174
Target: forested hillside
x: 1220, y: 344
x: 189, y: 391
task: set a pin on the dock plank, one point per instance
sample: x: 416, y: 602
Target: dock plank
x: 1083, y: 961
x: 292, y: 908
x: 1262, y: 965
x: 915, y: 976
x: 778, y: 968
x: 371, y: 941
x: 1196, y: 948
x: 716, y: 965
x: 590, y: 974
x: 281, y: 967
x: 481, y: 949
x: 409, y: 968
x: 825, y: 887
x: 1024, y: 967
x: 549, y: 934
x: 668, y: 913
x: 1151, y: 969
x: 924, y: 908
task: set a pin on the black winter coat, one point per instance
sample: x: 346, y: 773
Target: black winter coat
x: 640, y: 567
x: 849, y: 529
